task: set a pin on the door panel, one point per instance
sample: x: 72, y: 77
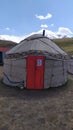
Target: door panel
x: 35, y: 72
x: 39, y: 79
x: 30, y: 72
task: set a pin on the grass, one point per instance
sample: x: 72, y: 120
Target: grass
x: 9, y: 44
x: 66, y: 44
x: 50, y: 109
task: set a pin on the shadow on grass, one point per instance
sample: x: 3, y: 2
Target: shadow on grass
x: 6, y: 91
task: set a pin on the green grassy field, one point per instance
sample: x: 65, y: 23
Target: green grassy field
x: 50, y: 109
x: 9, y: 44
x: 66, y: 44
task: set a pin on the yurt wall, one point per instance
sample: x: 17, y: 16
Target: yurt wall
x: 70, y: 65
x: 15, y: 71
x: 55, y: 73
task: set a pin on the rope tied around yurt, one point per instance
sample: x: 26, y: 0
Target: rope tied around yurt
x: 13, y: 82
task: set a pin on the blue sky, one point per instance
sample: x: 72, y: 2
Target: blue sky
x: 19, y: 18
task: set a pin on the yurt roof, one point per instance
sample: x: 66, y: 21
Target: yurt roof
x: 37, y: 42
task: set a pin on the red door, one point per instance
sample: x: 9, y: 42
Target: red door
x: 35, y: 72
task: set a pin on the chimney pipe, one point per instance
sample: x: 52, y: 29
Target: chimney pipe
x: 43, y: 32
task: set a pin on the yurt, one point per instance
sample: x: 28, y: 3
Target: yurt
x: 70, y: 65
x: 35, y: 63
x: 2, y: 53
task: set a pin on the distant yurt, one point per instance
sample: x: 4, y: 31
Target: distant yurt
x: 70, y: 65
x: 35, y: 63
x: 2, y: 53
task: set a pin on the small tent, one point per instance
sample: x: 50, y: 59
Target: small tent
x: 2, y: 53
x: 35, y: 63
x: 70, y: 65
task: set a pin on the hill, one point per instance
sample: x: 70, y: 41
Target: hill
x: 66, y: 44
x: 9, y: 44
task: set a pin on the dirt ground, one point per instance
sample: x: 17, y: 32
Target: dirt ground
x: 50, y: 109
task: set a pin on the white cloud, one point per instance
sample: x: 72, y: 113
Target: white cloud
x: 12, y: 38
x: 48, y: 33
x: 8, y: 29
x: 52, y: 25
x: 44, y: 26
x: 41, y: 17
x: 62, y: 32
